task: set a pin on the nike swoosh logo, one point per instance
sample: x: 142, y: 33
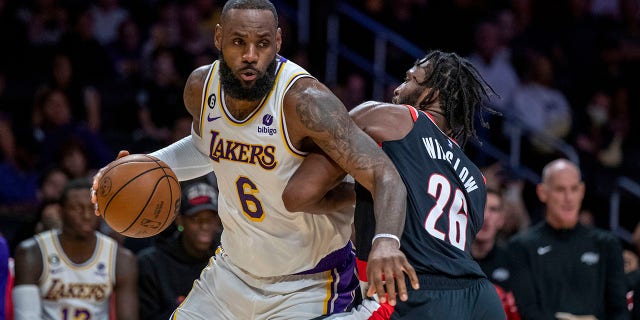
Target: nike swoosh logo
x: 209, y: 118
x: 543, y: 250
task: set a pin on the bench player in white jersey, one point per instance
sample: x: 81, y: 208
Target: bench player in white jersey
x: 255, y: 116
x: 75, y: 272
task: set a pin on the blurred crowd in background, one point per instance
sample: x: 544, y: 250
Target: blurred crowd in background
x: 81, y: 79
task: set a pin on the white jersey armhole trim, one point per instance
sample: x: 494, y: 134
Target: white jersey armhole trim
x: 112, y: 254
x: 204, y: 104
x: 44, y: 254
x: 285, y: 134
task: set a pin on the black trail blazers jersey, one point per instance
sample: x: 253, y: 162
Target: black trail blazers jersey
x: 445, y: 205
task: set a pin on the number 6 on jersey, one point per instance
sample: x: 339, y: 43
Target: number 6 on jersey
x: 251, y: 206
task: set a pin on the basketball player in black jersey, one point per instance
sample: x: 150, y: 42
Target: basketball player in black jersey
x: 422, y: 132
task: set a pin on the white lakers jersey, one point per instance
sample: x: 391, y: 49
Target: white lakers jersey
x: 253, y: 159
x: 72, y: 291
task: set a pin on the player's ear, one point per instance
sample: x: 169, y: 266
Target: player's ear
x: 217, y: 37
x: 278, y: 39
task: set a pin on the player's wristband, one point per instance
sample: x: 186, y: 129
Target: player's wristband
x: 386, y: 235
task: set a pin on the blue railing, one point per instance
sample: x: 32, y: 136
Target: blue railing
x: 622, y: 184
x: 375, y: 65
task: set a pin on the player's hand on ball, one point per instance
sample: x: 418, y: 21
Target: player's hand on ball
x: 386, y: 268
x: 96, y: 178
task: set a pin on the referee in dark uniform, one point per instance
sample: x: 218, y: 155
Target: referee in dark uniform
x: 561, y: 269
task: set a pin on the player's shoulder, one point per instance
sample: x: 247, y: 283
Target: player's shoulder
x: 378, y: 105
x: 198, y: 76
x: 384, y: 121
x: 33, y: 243
x: 195, y: 84
x: 303, y: 87
x: 28, y: 255
x: 27, y: 246
x: 125, y: 253
x: 371, y: 110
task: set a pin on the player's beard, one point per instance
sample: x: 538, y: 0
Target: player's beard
x: 410, y: 99
x: 234, y: 87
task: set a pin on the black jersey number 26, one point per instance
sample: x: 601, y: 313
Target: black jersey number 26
x: 455, y: 203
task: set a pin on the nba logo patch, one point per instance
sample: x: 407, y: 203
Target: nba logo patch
x: 101, y: 269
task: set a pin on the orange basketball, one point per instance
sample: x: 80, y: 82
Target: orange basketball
x: 138, y: 195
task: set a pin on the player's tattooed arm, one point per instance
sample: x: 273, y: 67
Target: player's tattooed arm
x: 192, y: 95
x: 321, y: 116
x: 327, y: 194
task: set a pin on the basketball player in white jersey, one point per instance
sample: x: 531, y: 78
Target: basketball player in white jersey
x: 255, y: 116
x: 73, y: 273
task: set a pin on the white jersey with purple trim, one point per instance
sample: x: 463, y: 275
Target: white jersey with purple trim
x: 76, y: 291
x: 253, y: 159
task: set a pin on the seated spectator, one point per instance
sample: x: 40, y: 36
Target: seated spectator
x: 541, y: 107
x: 74, y: 160
x: 560, y: 268
x: 54, y: 127
x: 50, y: 217
x: 492, y: 60
x: 599, y: 137
x: 491, y: 256
x: 168, y: 269
x: 85, y: 101
x: 52, y: 184
x: 160, y: 100
x: 516, y: 216
x: 107, y: 16
x: 19, y: 176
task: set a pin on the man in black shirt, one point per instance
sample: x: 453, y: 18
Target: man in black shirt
x: 561, y: 269
x: 168, y: 269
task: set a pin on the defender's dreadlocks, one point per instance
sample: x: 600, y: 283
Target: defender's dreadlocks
x: 461, y: 90
x: 249, y: 4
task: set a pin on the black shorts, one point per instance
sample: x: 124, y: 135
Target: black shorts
x: 475, y: 299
